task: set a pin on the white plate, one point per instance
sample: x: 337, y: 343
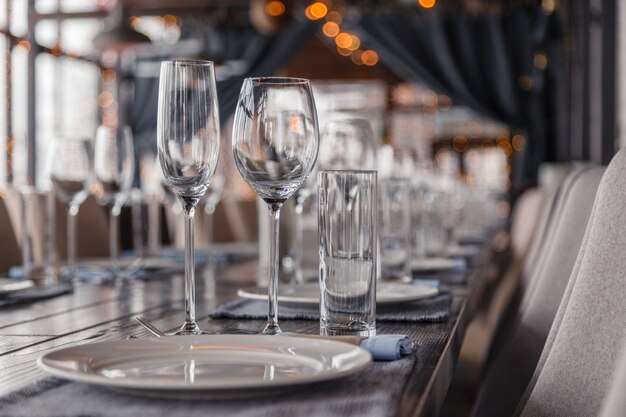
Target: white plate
x: 218, y: 364
x: 436, y: 264
x: 309, y: 294
x: 10, y: 286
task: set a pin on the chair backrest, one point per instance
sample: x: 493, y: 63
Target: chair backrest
x: 615, y: 402
x: 524, y: 222
x: 513, y: 366
x: 576, y: 365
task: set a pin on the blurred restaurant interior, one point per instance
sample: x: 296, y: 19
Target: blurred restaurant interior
x: 494, y: 128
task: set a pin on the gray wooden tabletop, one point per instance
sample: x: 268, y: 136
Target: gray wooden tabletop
x: 105, y: 312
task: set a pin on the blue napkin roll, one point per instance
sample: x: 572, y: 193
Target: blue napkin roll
x: 388, y: 347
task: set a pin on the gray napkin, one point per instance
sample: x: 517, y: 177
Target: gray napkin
x: 34, y: 294
x: 429, y: 310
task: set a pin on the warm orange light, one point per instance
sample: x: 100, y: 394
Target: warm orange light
x: 505, y: 147
x: 343, y: 40
x: 105, y: 99
x: 518, y: 142
x: 330, y: 29
x: 343, y: 51
x: 24, y: 44
x: 357, y: 57
x: 170, y: 20
x: 427, y: 4
x: 335, y: 17
x: 355, y: 43
x: 369, y: 57
x: 460, y: 143
x: 275, y: 8
x: 444, y: 102
x: 316, y: 11
x: 108, y: 76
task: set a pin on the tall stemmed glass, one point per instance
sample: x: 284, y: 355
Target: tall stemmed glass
x: 275, y: 161
x: 72, y: 176
x: 114, y: 167
x: 188, y: 142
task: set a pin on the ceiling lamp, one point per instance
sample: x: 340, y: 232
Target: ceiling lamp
x: 120, y: 35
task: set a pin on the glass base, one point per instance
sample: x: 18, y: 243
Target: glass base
x: 189, y: 328
x: 271, y: 329
x: 354, y: 329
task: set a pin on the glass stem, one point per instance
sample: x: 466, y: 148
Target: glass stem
x: 114, y: 247
x: 272, y: 288
x: 154, y: 224
x: 71, y: 236
x: 297, y: 242
x: 190, y: 325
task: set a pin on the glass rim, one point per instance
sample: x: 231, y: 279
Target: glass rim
x: 348, y: 171
x: 188, y: 62
x: 279, y: 80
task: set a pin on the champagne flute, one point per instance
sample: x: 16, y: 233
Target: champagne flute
x: 71, y: 175
x: 188, y: 141
x: 114, y: 167
x: 275, y: 158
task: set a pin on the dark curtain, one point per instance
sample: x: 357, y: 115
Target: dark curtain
x: 259, y: 54
x: 484, y: 62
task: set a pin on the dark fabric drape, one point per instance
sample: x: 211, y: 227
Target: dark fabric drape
x: 260, y: 55
x: 484, y: 62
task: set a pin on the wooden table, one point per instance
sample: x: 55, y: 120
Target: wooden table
x: 105, y: 312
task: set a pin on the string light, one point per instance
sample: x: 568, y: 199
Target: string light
x: 369, y: 57
x: 331, y: 29
x: 316, y: 11
x: 343, y: 40
x: 518, y: 142
x: 427, y: 4
x: 334, y: 16
x: 275, y: 8
x: 355, y: 43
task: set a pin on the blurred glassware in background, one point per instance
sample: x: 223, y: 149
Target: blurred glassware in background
x: 71, y: 173
x: 151, y: 180
x: 394, y: 231
x: 347, y: 143
x: 211, y: 199
x: 114, y: 168
x: 274, y: 163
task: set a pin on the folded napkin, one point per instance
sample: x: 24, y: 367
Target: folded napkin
x: 429, y: 310
x: 388, y: 347
x: 34, y: 294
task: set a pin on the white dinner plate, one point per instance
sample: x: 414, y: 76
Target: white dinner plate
x: 10, y: 286
x: 206, y: 364
x: 436, y: 264
x: 309, y: 294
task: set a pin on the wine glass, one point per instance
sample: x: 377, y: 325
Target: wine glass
x: 114, y: 168
x: 71, y: 173
x: 188, y: 141
x: 275, y: 158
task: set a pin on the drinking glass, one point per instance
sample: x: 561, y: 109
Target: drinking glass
x: 114, y: 168
x: 347, y: 250
x: 71, y: 173
x: 273, y: 161
x: 188, y: 141
x: 394, y: 228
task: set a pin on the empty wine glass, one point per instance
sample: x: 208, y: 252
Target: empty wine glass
x: 71, y: 172
x: 114, y: 167
x: 275, y: 145
x: 188, y: 141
